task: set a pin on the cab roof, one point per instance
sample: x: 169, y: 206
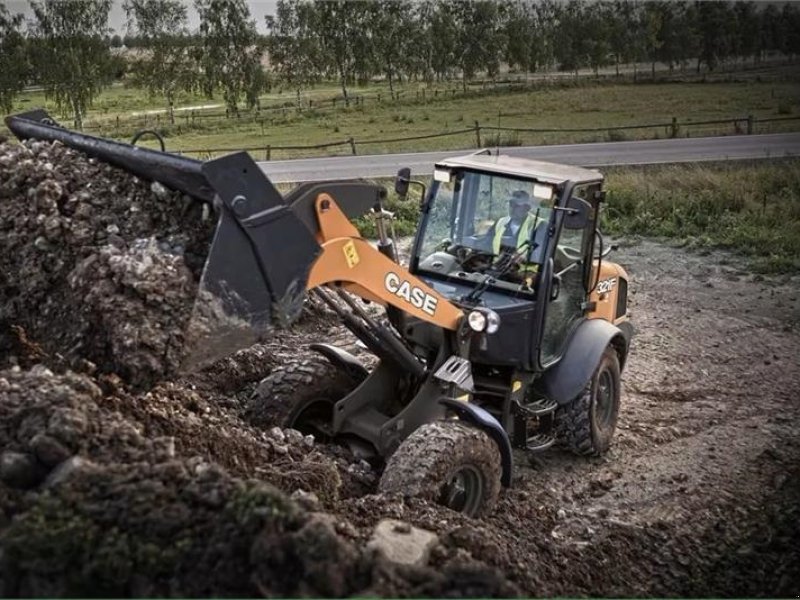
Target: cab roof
x: 545, y: 172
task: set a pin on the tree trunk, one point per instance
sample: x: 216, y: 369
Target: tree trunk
x: 343, y: 81
x: 76, y: 115
x: 391, y: 83
x: 653, y: 69
x: 170, y: 108
x: 616, y: 63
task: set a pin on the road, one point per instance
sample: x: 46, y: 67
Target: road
x: 586, y: 155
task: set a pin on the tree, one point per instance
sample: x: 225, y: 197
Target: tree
x: 13, y: 58
x: 342, y: 39
x: 716, y: 28
x: 70, y: 53
x: 229, y: 52
x: 597, y: 32
x: 294, y: 48
x: 624, y: 38
x: 390, y: 24
x: 165, y: 66
x: 444, y: 41
x: 790, y: 17
x: 480, y: 42
x: 519, y: 28
x: 570, y: 42
x: 652, y: 23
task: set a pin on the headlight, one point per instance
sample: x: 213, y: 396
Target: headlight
x: 492, y: 321
x: 484, y: 320
x: 477, y: 320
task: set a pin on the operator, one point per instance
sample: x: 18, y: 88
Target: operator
x: 514, y: 230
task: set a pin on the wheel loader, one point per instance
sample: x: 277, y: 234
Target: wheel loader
x: 488, y: 344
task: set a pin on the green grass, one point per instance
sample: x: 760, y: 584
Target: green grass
x: 574, y: 105
x: 600, y: 106
x: 750, y: 208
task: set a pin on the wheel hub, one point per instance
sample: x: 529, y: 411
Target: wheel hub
x: 604, y: 399
x: 463, y: 491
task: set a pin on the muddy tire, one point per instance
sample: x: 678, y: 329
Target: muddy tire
x: 448, y: 462
x: 586, y: 425
x: 297, y: 394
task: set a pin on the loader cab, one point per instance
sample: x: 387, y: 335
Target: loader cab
x: 514, y: 236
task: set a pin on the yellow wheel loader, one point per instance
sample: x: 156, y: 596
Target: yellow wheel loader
x: 493, y: 338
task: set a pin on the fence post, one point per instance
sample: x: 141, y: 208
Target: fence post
x: 192, y: 117
x: 478, y: 133
x: 675, y: 128
x: 751, y: 122
x: 268, y: 152
x: 352, y: 145
x: 117, y: 126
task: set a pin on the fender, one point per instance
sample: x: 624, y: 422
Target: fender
x: 342, y: 360
x: 569, y: 376
x: 485, y: 421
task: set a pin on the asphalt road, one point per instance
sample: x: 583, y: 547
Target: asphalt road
x: 586, y: 155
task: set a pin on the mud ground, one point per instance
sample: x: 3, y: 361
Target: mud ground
x: 118, y: 477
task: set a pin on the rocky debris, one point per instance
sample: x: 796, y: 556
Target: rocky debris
x: 93, y: 264
x: 402, y: 543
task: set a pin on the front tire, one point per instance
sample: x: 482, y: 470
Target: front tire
x: 299, y: 395
x: 448, y: 462
x: 586, y: 424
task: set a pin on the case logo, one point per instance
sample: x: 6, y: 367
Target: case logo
x: 415, y: 296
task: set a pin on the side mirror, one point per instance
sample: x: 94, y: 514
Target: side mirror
x: 402, y: 181
x: 578, y: 213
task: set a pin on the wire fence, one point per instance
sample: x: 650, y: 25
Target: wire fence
x: 119, y: 126
x: 477, y: 135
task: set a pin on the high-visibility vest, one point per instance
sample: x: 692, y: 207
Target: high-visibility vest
x: 523, y: 235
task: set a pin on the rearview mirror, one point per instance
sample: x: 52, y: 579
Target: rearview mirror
x: 578, y: 213
x: 402, y: 181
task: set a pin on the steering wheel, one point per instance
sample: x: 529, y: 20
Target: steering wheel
x: 475, y: 260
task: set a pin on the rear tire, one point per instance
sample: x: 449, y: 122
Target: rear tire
x: 586, y: 424
x: 448, y: 462
x: 297, y: 395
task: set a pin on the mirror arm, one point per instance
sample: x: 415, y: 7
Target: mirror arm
x: 423, y: 197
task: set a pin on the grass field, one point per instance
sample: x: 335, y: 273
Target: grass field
x: 575, y: 105
x: 751, y: 208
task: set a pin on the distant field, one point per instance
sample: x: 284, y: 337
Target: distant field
x: 577, y: 105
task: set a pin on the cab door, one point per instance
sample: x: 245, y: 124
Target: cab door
x: 566, y: 304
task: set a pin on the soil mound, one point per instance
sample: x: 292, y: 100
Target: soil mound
x: 95, y: 264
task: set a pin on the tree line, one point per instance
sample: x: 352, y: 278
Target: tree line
x: 68, y: 50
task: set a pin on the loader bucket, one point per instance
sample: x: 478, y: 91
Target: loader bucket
x: 261, y: 253
x: 256, y: 273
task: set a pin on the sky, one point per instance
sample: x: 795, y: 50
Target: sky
x: 258, y: 10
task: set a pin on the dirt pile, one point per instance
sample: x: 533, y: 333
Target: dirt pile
x: 160, y: 494
x: 95, y: 264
